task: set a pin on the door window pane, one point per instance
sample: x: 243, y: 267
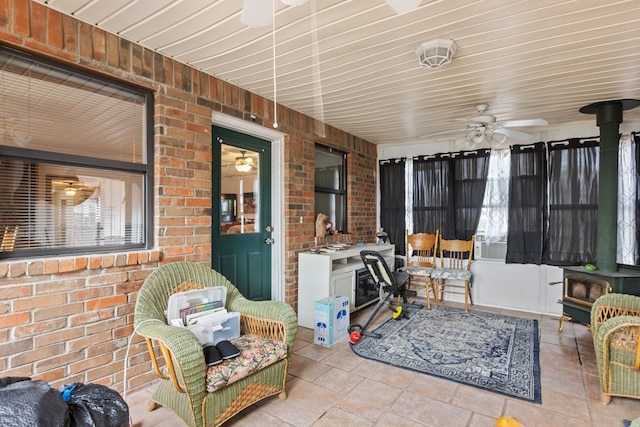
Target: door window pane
x: 239, y: 193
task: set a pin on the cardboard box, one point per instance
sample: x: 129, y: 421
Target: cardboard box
x: 331, y: 320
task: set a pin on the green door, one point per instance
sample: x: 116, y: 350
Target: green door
x: 241, y: 232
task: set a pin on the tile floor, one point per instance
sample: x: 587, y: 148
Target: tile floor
x: 334, y: 387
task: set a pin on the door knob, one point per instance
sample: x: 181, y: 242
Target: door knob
x: 269, y: 241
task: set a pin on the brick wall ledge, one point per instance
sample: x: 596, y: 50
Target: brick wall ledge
x: 39, y: 267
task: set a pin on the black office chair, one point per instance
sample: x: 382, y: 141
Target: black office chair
x: 389, y: 283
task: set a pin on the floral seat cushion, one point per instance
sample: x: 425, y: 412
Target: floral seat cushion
x: 417, y: 270
x: 451, y: 273
x: 256, y: 353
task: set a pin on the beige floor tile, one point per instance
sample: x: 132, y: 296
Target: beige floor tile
x: 386, y: 374
x: 565, y: 404
x: 430, y: 412
x: 479, y: 401
x: 344, y: 359
x: 478, y: 420
x: 369, y: 399
x: 392, y: 420
x: 339, y: 381
x: 535, y: 415
x: 433, y: 387
x: 337, y: 417
x: 306, y: 403
x: 306, y: 369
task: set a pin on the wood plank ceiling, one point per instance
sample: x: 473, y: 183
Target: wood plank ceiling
x: 352, y: 64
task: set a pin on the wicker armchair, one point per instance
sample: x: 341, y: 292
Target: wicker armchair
x: 183, y: 388
x: 615, y: 324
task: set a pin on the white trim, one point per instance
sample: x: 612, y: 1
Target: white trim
x: 277, y: 191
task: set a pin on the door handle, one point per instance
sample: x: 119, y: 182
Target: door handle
x: 269, y: 241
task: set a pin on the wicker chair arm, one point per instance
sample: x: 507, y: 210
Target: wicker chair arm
x: 272, y: 319
x: 612, y: 305
x: 608, y: 331
x: 183, y: 354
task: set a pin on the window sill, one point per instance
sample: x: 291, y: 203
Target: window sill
x: 69, y: 264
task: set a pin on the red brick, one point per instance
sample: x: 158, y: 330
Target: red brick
x: 40, y: 353
x: 5, y: 14
x: 99, y: 51
x: 105, y: 302
x: 54, y: 28
x: 55, y: 312
x: 8, y: 320
x: 21, y: 17
x: 38, y: 22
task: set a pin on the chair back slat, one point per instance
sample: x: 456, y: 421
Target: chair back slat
x: 422, y: 249
x: 456, y: 254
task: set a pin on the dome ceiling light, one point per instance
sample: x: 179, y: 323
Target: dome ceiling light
x: 436, y: 53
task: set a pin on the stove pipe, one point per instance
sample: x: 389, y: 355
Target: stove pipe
x: 608, y: 118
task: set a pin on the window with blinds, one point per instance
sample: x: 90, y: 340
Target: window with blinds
x: 74, y: 161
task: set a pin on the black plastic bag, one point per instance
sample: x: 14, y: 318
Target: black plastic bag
x: 26, y: 403
x: 95, y: 405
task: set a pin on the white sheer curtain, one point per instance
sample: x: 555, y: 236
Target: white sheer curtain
x: 495, y: 207
x: 627, y: 248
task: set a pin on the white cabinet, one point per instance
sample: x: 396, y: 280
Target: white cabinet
x: 321, y: 275
x: 342, y: 284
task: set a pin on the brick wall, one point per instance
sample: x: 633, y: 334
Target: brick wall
x: 69, y: 319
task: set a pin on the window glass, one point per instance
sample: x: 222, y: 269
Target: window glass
x: 330, y: 187
x: 73, y: 160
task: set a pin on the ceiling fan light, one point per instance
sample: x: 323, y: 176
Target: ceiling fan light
x: 401, y: 6
x: 257, y: 13
x: 243, y: 164
x: 476, y: 136
x: 436, y: 53
x: 70, y: 191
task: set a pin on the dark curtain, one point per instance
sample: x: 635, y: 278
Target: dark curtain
x: 573, y: 203
x: 527, y: 204
x: 448, y: 190
x: 392, y: 201
x: 470, y: 170
x: 432, y: 194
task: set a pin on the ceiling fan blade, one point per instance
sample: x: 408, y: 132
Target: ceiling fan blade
x: 513, y: 134
x: 402, y: 6
x: 257, y: 13
x: 520, y: 123
x: 465, y: 144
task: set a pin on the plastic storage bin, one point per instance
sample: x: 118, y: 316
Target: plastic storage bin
x: 209, y: 329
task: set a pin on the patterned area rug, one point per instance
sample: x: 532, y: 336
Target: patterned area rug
x: 486, y: 350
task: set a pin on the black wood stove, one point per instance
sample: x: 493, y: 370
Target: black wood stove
x: 582, y: 287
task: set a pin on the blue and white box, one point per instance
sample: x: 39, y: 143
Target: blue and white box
x: 331, y: 320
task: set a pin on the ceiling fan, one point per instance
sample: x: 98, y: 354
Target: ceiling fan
x: 245, y: 164
x: 485, y: 128
x: 259, y: 13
